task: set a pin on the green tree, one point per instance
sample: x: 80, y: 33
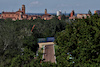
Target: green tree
x: 82, y: 40
x: 63, y: 17
x: 89, y: 12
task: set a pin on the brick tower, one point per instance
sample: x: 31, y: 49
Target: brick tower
x: 45, y: 11
x: 72, y: 13
x: 23, y: 9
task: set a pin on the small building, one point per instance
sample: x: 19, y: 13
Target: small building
x: 72, y: 17
x: 81, y: 16
x: 32, y: 17
x: 59, y: 17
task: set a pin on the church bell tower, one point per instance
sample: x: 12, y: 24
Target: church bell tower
x: 23, y: 9
x: 45, y: 11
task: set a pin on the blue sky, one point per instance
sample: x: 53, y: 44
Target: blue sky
x: 52, y: 6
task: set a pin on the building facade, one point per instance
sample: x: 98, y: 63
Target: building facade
x: 81, y: 16
x: 59, y: 13
x: 97, y: 11
x: 72, y: 15
x: 46, y: 16
x: 18, y: 15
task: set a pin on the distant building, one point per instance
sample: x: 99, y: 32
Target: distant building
x: 23, y: 9
x: 45, y: 11
x: 72, y: 15
x: 46, y: 16
x: 73, y: 18
x: 20, y: 14
x: 59, y: 13
x: 97, y: 11
x: 0, y: 16
x: 59, y: 17
x: 32, y: 17
x: 81, y: 16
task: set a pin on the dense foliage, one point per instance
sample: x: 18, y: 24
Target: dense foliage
x: 77, y: 43
x: 81, y: 41
x: 18, y: 45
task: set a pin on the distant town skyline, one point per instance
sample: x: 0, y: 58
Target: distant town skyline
x: 52, y: 6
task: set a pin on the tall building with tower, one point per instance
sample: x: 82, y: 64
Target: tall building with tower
x: 72, y: 13
x: 45, y: 11
x: 46, y: 16
x: 20, y: 14
x: 23, y: 9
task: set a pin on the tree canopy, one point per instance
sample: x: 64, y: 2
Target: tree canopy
x: 82, y: 40
x: 77, y: 42
x: 18, y: 44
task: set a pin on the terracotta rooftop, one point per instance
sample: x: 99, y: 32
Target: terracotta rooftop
x: 19, y: 11
x: 8, y: 12
x: 46, y: 15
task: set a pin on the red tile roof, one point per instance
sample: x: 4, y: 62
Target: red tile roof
x: 46, y: 15
x: 8, y: 12
x: 19, y: 11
